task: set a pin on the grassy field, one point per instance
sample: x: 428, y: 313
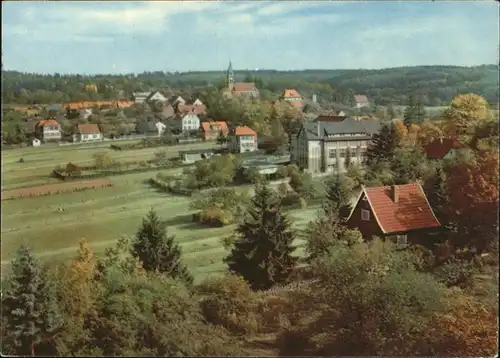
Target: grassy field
x: 103, y: 215
x: 39, y: 162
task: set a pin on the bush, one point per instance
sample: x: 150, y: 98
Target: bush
x: 231, y: 303
x: 215, y: 217
x: 456, y: 273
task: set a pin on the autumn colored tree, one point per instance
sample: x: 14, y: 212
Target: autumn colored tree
x: 472, y: 189
x: 400, y: 129
x: 465, y: 112
x: 78, y: 293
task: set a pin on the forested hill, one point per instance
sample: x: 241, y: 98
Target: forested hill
x: 436, y: 85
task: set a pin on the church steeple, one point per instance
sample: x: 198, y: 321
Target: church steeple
x: 230, y: 76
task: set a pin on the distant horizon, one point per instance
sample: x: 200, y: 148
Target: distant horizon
x: 102, y: 37
x: 236, y: 70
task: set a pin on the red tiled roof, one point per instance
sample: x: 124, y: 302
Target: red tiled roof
x: 360, y: 98
x: 48, y: 122
x: 244, y: 130
x: 207, y: 126
x: 438, y: 148
x: 411, y: 212
x: 88, y: 128
x: 244, y: 86
x: 290, y: 93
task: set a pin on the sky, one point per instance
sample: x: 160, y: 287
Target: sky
x: 132, y: 37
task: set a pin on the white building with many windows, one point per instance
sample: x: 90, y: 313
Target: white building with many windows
x: 323, y: 147
x: 242, y: 139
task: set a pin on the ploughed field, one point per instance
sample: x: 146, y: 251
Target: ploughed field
x: 52, y: 225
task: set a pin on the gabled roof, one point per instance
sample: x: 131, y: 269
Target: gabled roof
x: 290, y: 93
x: 48, y: 122
x: 244, y: 86
x: 347, y: 126
x: 411, y: 212
x: 89, y: 128
x: 438, y: 148
x: 360, y: 98
x: 244, y: 130
x: 207, y: 126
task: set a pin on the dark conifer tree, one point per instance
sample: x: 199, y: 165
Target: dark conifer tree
x: 262, y: 254
x: 30, y: 305
x: 383, y: 145
x: 338, y: 199
x: 157, y: 251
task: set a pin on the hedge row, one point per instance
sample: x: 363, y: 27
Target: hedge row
x: 169, y: 188
x: 55, y: 192
x: 146, y: 143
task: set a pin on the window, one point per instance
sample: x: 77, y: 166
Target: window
x: 365, y: 215
x: 342, y: 153
x: 401, y: 239
x: 353, y: 152
x: 332, y: 153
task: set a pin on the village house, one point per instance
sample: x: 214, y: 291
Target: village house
x: 361, y: 101
x: 212, y: 130
x: 140, y: 97
x: 185, y: 123
x: 292, y: 96
x: 146, y: 97
x: 398, y: 212
x: 242, y: 139
x: 196, y: 107
x: 239, y: 89
x: 446, y: 149
x: 48, y: 129
x: 87, y: 133
x: 322, y: 147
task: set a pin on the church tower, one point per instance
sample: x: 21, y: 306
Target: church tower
x: 230, y: 76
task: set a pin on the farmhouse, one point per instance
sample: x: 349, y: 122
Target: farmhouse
x: 292, y: 96
x: 444, y: 148
x: 361, y: 101
x: 242, y: 139
x: 322, y: 147
x: 397, y: 212
x: 48, y: 130
x: 212, y: 130
x: 185, y: 123
x: 87, y: 133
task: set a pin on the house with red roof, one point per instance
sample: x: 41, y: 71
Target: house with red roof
x: 361, y: 101
x: 87, y: 133
x: 397, y: 212
x: 446, y: 148
x: 239, y: 89
x: 292, y: 96
x: 212, y: 130
x: 242, y: 139
x: 48, y: 129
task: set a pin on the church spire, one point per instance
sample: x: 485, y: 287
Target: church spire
x: 230, y: 75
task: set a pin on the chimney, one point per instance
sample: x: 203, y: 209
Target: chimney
x: 395, y: 193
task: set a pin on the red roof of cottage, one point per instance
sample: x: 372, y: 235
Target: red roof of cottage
x: 244, y: 130
x: 290, y: 93
x: 438, y: 148
x: 244, y: 87
x: 207, y: 126
x: 88, y: 128
x: 411, y: 212
x: 48, y: 122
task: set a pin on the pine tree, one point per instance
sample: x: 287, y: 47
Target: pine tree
x: 436, y: 194
x: 348, y: 160
x: 262, y: 254
x: 157, y: 251
x: 415, y: 112
x: 338, y: 199
x: 383, y: 145
x: 30, y: 304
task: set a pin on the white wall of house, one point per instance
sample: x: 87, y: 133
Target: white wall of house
x: 190, y: 122
x: 161, y: 128
x: 51, y: 133
x: 198, y: 103
x: 88, y: 137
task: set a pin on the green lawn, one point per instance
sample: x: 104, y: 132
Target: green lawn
x: 103, y: 215
x: 39, y: 162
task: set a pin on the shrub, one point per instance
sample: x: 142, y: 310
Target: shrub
x: 215, y: 217
x: 456, y: 273
x: 231, y: 303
